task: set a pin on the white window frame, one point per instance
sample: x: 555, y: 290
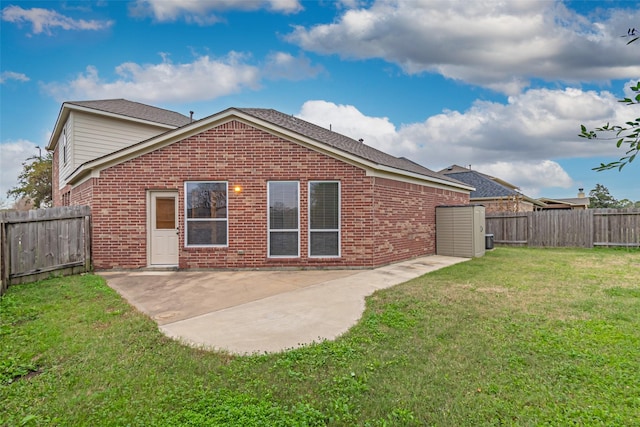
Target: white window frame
x: 269, y: 230
x: 187, y: 220
x: 338, y: 230
x: 65, y: 147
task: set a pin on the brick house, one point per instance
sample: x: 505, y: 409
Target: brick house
x: 243, y: 188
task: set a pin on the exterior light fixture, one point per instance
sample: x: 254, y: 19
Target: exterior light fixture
x: 237, y: 189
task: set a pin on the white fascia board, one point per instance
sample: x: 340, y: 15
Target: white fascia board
x: 196, y: 127
x: 143, y: 147
x: 372, y: 168
x: 67, y: 108
x: 119, y: 116
x: 414, y: 178
x: 63, y: 114
x: 525, y: 198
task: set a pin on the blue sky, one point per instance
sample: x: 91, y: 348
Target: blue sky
x: 500, y: 86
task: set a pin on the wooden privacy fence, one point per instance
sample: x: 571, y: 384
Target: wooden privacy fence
x: 39, y: 242
x: 567, y: 228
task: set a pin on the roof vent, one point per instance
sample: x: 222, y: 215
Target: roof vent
x: 361, y: 140
x: 191, y: 116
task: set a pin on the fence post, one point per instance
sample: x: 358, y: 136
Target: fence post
x: 4, y: 256
x: 591, y: 226
x: 529, y: 228
x: 87, y: 243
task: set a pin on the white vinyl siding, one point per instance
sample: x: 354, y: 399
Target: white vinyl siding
x: 90, y: 136
x: 65, y: 168
x: 96, y: 136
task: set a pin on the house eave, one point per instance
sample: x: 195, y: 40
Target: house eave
x: 401, y: 175
x: 525, y: 198
x: 67, y: 108
x: 230, y: 114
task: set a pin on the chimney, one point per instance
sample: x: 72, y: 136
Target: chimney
x: 581, y: 193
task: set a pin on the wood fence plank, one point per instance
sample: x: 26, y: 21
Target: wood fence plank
x: 579, y: 228
x: 39, y: 242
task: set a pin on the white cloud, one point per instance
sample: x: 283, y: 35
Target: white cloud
x: 12, y: 155
x: 500, y: 45
x: 347, y: 120
x: 45, y: 20
x: 202, y: 12
x: 282, y: 65
x: 520, y: 140
x: 203, y: 79
x: 11, y: 75
x: 531, y: 177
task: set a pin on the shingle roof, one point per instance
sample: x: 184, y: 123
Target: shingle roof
x: 485, y: 187
x: 341, y: 142
x: 136, y: 110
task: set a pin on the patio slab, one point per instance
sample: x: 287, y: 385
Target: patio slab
x: 245, y: 312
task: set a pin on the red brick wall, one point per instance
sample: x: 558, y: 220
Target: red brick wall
x: 395, y: 227
x: 405, y: 220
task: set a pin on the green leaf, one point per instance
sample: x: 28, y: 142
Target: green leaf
x: 27, y: 419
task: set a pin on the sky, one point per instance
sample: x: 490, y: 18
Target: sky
x: 501, y: 86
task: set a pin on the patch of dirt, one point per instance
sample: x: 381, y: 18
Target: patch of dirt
x: 27, y: 376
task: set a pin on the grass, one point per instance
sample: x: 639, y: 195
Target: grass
x: 518, y: 337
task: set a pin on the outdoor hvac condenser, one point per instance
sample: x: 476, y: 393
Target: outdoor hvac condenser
x: 460, y: 231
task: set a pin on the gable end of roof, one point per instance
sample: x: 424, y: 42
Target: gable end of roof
x: 288, y: 127
x: 135, y: 110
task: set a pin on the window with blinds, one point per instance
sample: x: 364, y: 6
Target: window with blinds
x: 324, y: 219
x: 284, y: 218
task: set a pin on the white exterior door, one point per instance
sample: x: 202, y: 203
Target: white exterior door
x: 163, y: 228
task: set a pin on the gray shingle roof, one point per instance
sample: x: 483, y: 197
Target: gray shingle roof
x: 341, y: 142
x: 136, y: 110
x: 485, y: 187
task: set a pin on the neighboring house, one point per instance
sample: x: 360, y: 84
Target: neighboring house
x: 243, y: 188
x: 495, y: 194
x: 580, y: 202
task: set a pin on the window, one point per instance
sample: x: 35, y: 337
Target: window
x: 283, y: 219
x: 64, y: 147
x: 165, y: 213
x: 324, y: 219
x: 206, y: 213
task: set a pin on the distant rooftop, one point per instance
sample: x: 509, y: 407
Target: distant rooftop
x: 484, y: 187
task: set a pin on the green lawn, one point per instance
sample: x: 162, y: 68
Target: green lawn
x: 518, y: 337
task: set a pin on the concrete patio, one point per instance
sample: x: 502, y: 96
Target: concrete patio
x: 245, y: 312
